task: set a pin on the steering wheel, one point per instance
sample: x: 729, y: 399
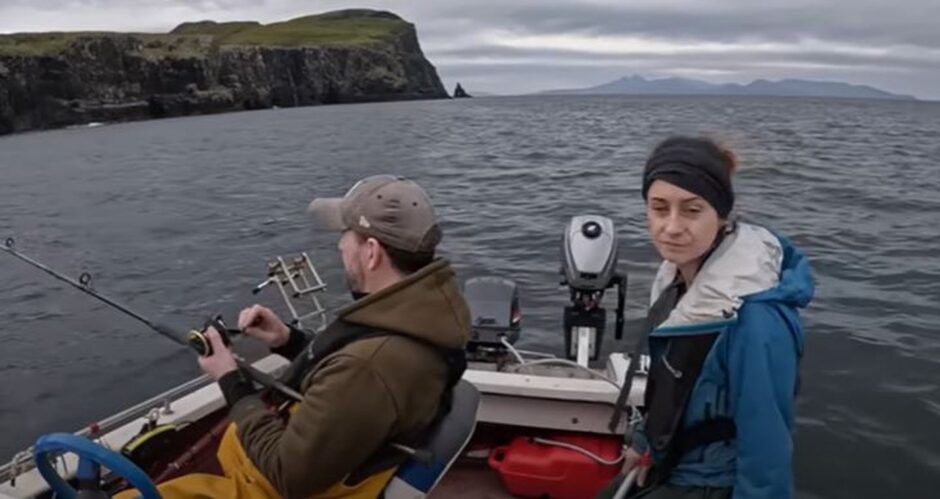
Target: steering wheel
x: 91, y: 457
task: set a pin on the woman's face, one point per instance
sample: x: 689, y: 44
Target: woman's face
x: 682, y: 225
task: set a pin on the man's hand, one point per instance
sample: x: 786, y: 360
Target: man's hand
x: 261, y: 323
x: 633, y: 459
x: 221, y: 362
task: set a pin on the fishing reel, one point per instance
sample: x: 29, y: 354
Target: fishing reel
x: 589, y: 266
x: 198, y: 341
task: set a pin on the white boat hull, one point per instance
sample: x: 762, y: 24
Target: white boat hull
x: 554, y: 398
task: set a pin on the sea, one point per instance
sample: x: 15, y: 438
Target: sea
x: 177, y: 218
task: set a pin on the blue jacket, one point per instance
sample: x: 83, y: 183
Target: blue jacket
x: 749, y: 290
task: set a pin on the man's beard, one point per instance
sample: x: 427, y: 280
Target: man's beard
x: 354, y: 283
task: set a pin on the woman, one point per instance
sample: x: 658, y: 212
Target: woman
x: 725, y: 340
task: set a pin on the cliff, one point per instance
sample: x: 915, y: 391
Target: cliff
x: 50, y: 80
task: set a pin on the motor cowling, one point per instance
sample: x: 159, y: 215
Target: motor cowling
x: 494, y: 312
x: 589, y: 253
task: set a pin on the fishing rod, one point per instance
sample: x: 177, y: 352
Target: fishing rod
x: 194, y: 339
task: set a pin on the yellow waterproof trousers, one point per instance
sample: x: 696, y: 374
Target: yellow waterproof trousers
x: 241, y: 480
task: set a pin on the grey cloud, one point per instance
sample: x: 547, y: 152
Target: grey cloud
x: 689, y: 58
x: 454, y: 35
x: 865, y: 21
x: 908, y: 22
x: 905, y: 31
x: 142, y: 5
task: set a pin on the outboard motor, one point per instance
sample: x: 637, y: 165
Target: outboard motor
x: 589, y: 266
x: 494, y: 316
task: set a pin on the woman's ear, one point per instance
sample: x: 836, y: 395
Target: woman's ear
x: 730, y: 224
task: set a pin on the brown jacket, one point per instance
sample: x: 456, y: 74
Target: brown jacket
x: 367, y: 393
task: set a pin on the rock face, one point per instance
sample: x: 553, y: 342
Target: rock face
x: 54, y: 80
x: 460, y: 93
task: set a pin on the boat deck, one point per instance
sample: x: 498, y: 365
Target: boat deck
x: 470, y: 480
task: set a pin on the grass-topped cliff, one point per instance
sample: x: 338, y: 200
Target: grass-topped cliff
x: 346, y: 28
x: 55, y: 79
x: 342, y: 28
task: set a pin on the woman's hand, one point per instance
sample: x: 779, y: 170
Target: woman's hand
x: 633, y: 459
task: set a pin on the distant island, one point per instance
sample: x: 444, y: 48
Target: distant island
x: 50, y: 80
x: 638, y: 85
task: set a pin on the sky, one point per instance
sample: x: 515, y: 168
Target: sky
x: 522, y: 46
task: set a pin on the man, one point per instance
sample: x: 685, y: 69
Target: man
x: 375, y: 376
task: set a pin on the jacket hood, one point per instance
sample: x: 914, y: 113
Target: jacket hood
x: 751, y: 264
x: 426, y: 305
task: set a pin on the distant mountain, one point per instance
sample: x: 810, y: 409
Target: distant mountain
x: 637, y: 85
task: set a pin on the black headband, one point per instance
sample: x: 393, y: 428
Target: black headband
x: 696, y: 165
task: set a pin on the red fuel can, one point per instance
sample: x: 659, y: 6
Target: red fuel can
x: 538, y: 470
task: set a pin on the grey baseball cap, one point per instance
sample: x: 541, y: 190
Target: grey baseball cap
x: 394, y: 210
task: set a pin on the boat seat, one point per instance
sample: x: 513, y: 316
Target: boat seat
x: 416, y: 478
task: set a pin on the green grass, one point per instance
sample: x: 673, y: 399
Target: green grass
x: 35, y: 44
x: 213, y: 28
x: 340, y: 28
x: 321, y: 30
x: 151, y: 45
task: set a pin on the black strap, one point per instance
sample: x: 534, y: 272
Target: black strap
x: 658, y: 312
x: 388, y: 456
x: 621, y: 403
x: 338, y: 335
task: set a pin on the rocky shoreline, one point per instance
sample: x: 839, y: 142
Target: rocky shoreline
x: 62, y: 79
